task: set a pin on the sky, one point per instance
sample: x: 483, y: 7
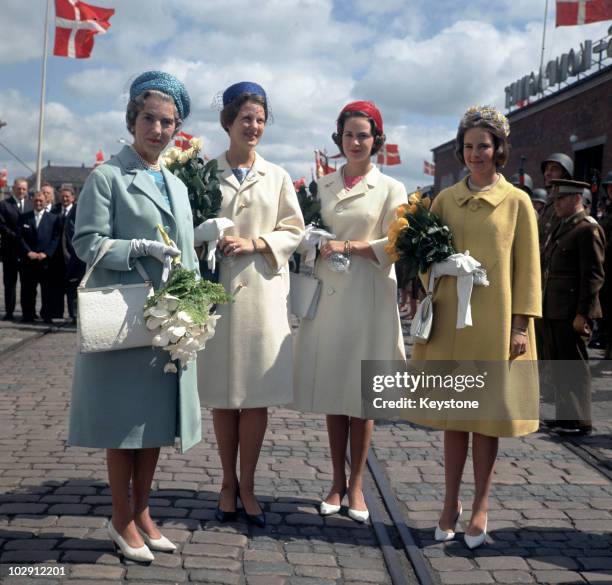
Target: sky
x: 423, y: 62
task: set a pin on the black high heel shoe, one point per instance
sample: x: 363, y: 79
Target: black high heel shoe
x: 222, y: 516
x: 255, y: 519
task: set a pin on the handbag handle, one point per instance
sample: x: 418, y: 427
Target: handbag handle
x: 104, y: 248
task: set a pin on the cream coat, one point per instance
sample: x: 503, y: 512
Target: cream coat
x: 499, y: 228
x: 357, y: 317
x: 248, y: 363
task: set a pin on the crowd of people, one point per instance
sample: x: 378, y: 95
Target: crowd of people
x: 36, y: 251
x: 250, y: 364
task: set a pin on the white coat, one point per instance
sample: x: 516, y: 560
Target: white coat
x: 357, y: 317
x: 249, y: 363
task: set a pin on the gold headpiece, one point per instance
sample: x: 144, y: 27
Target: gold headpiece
x: 490, y: 115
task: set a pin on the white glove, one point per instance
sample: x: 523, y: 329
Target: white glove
x: 157, y: 250
x: 210, y: 232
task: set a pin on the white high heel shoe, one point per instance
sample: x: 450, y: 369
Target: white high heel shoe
x: 162, y: 544
x: 359, y: 515
x: 326, y: 509
x: 444, y: 535
x: 475, y: 541
x: 142, y: 554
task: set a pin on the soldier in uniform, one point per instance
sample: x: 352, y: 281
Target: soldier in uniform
x: 573, y: 275
x: 556, y: 166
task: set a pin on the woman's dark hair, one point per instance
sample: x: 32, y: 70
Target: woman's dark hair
x: 379, y: 137
x: 136, y: 105
x: 501, y: 145
x: 230, y: 112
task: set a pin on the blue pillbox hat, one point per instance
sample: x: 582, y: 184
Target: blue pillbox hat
x: 166, y: 83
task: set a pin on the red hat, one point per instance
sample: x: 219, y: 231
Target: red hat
x: 368, y: 108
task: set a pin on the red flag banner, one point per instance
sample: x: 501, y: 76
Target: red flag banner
x: 573, y: 12
x: 76, y: 24
x: 388, y: 155
x: 3, y: 179
x: 182, y: 139
x: 429, y: 168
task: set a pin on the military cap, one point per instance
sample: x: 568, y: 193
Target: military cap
x: 561, y: 159
x: 568, y: 187
x: 526, y: 185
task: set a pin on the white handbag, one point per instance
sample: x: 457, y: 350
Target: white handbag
x: 304, y: 293
x: 422, y: 322
x: 111, y: 317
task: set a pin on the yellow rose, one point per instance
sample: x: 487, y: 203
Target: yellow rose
x: 402, y: 222
x: 401, y: 210
x: 414, y: 197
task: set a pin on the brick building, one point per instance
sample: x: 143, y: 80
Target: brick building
x: 575, y: 120
x: 62, y: 175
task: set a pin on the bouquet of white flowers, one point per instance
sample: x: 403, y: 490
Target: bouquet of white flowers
x: 182, y: 311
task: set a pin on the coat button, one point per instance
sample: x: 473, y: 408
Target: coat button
x: 331, y: 290
x: 339, y: 208
x: 240, y: 286
x: 474, y: 206
x: 243, y: 205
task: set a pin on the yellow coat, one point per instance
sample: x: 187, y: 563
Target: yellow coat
x: 499, y: 228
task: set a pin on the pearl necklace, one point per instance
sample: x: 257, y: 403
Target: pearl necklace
x: 146, y: 165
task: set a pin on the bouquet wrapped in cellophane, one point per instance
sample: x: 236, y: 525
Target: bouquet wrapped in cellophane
x: 182, y: 312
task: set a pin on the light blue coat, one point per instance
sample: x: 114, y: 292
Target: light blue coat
x: 123, y: 399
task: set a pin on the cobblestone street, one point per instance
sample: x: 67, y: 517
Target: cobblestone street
x: 550, y: 518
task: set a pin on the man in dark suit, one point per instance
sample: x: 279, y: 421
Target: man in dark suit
x: 40, y: 237
x: 74, y: 268
x: 10, y: 243
x: 572, y: 278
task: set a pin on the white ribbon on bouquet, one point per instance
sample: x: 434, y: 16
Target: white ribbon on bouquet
x: 468, y: 272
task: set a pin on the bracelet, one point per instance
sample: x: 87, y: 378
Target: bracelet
x: 254, y: 240
x: 347, y: 248
x: 519, y: 331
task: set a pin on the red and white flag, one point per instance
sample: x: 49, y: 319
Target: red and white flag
x: 388, y: 155
x: 429, y: 168
x: 572, y: 12
x: 182, y: 140
x: 76, y: 23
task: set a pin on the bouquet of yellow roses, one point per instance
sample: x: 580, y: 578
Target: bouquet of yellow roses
x: 417, y: 237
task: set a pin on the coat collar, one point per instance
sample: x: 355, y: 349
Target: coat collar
x: 131, y: 165
x: 335, y: 183
x: 493, y: 197
x: 226, y: 174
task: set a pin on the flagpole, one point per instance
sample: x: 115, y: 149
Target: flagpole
x: 544, y: 37
x: 41, y: 119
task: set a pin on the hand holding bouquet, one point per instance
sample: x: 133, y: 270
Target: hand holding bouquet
x: 183, y: 312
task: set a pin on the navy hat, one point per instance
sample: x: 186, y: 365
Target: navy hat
x: 166, y: 83
x: 233, y: 91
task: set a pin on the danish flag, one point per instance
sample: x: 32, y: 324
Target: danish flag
x: 572, y: 12
x: 182, y: 139
x: 388, y: 155
x: 76, y: 23
x: 429, y: 168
